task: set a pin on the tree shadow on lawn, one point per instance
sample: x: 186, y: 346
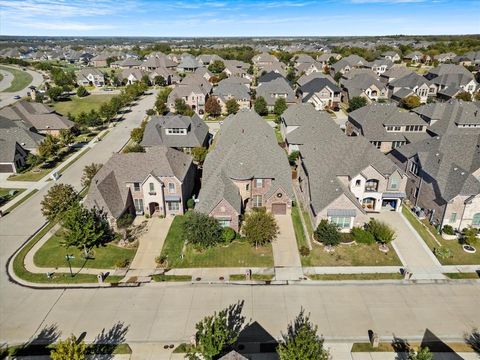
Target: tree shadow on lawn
x: 106, y: 342
x: 40, y: 344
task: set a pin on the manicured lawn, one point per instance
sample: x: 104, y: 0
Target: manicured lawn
x: 30, y: 175
x: 351, y: 255
x: 378, y: 276
x: 256, y: 277
x: 52, y: 254
x: 174, y: 278
x: 458, y: 256
x: 238, y: 253
x: 21, y: 79
x: 21, y: 201
x: 77, y: 105
x: 298, y: 227
x: 6, y: 197
x: 433, y: 346
x: 457, y: 276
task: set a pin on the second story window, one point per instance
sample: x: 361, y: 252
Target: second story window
x: 136, y: 186
x: 171, y: 187
x: 394, y: 182
x: 257, y: 201
x: 151, y: 187
x: 258, y: 183
x: 371, y: 185
x: 358, y: 182
x: 413, y: 168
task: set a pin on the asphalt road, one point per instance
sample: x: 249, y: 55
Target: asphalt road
x: 167, y: 312
x: 7, y: 98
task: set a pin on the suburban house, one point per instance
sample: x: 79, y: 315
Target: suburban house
x: 395, y: 72
x: 386, y: 126
x: 245, y: 170
x: 99, y: 61
x: 263, y: 60
x: 366, y: 86
x: 90, y: 77
x: 275, y: 89
x: 414, y: 57
x: 154, y: 62
x: 445, y: 57
x: 453, y: 116
x: 352, y: 178
x: 128, y: 63
x: 207, y: 59
x: 12, y: 154
x: 321, y: 93
x: 204, y: 73
x: 324, y: 59
x: 308, y: 68
x: 302, y: 80
x: 379, y: 66
x: 451, y: 79
x: 277, y: 67
x: 348, y: 63
x: 168, y: 75
x: 412, y: 84
x: 194, y: 96
x: 227, y: 90
x: 37, y: 117
x: 391, y: 55
x: 237, y: 68
x: 188, y: 64
x: 176, y: 131
x: 130, y: 76
x: 444, y: 178
x: 157, y: 182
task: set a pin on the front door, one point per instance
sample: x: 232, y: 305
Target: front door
x: 154, y: 207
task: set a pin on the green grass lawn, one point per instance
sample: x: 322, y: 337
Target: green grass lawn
x: 458, y: 256
x: 458, y: 276
x: 52, y: 254
x: 21, y: 79
x: 31, y: 175
x: 298, y: 227
x: 351, y: 255
x: 171, y: 278
x: 1, y: 77
x: 4, y: 194
x: 238, y: 253
x: 256, y: 277
x: 437, y: 346
x: 373, y: 276
x: 77, y: 105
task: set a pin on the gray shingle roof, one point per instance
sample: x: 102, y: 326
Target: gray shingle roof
x: 155, y: 134
x: 315, y: 75
x: 246, y: 148
x: 19, y: 132
x: 226, y: 90
x: 268, y: 90
x: 316, y: 85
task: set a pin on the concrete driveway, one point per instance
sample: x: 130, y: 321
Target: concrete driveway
x: 285, y: 252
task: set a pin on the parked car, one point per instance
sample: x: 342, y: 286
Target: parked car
x: 17, y: 97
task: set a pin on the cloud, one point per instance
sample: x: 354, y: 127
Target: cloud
x: 73, y: 26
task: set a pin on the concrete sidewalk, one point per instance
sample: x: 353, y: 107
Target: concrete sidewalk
x: 411, y: 249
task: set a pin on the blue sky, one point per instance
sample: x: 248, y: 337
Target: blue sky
x: 238, y: 18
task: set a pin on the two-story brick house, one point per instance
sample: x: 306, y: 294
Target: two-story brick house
x: 157, y: 182
x: 246, y: 169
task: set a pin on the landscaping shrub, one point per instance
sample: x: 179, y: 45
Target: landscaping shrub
x: 327, y: 233
x: 304, y: 251
x: 125, y: 220
x: 260, y: 227
x: 382, y: 232
x: 448, y: 230
x: 362, y: 236
x: 190, y: 204
x: 442, y: 252
x: 121, y: 264
x: 346, y: 238
x: 201, y: 230
x: 228, y: 234
x: 470, y: 235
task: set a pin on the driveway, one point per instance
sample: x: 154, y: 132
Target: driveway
x: 411, y: 248
x: 285, y: 252
x: 150, y: 245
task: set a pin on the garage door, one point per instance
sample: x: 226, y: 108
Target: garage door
x: 6, y: 168
x: 279, y: 209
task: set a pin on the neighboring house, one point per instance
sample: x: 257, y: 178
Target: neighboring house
x: 264, y: 59
x: 470, y: 58
x: 203, y: 72
x: 348, y: 63
x: 154, y: 62
x: 207, y: 59
x: 188, y: 64
x: 324, y: 59
x: 366, y: 86
x: 37, y: 117
x: 176, y: 131
x: 237, y: 80
x: 445, y: 57
x: 308, y: 68
x: 130, y: 76
x: 17, y: 132
x: 275, y: 89
x: 302, y: 59
x: 414, y: 57
x: 196, y: 79
x: 228, y: 90
x: 168, y: 75
x: 99, y: 61
x: 235, y: 68
x: 194, y: 96
x: 444, y: 178
x: 321, y: 93
x: 128, y: 63
x: 245, y: 170
x: 452, y: 79
x: 386, y: 126
x: 379, y: 66
x: 412, y: 84
x: 397, y: 71
x: 391, y: 55
x: 277, y: 67
x: 302, y: 80
x: 90, y: 77
x: 340, y: 178
x: 157, y: 182
x: 453, y: 116
x: 12, y: 155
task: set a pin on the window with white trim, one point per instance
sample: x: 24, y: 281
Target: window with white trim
x: 171, y: 187
x: 257, y: 201
x: 453, y: 218
x: 413, y: 168
x: 224, y: 223
x: 259, y: 183
x: 173, y: 205
x: 343, y: 222
x: 138, y: 203
x: 136, y: 186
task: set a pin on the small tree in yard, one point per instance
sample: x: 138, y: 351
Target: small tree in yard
x: 58, y: 200
x: 85, y: 228
x: 55, y: 93
x: 293, y: 156
x: 337, y: 76
x: 69, y: 349
x: 260, y: 227
x: 327, y: 233
x: 66, y: 137
x: 216, y: 334
x: 280, y: 106
x: 382, y: 232
x: 356, y: 102
x: 137, y: 134
x: 159, y: 80
x: 201, y: 230
x: 134, y: 148
x: 82, y: 92
x: 89, y: 172
x: 49, y: 146
x: 216, y: 67
x: 260, y: 106
x: 410, y: 102
x: 232, y: 106
x: 107, y: 112
x: 423, y: 353
x: 212, y: 106
x: 182, y: 108
x: 464, y: 95
x: 199, y: 154
x: 301, y: 342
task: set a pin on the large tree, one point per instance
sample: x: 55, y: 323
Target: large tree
x: 69, y: 349
x: 260, y: 227
x: 49, y: 146
x: 182, y: 108
x: 89, y: 172
x: 85, y: 228
x: 199, y: 154
x: 232, y: 106
x: 464, y: 95
x: 81, y: 91
x: 108, y: 112
x: 216, y: 334
x: 260, y: 106
x: 66, y: 137
x: 301, y: 342
x: 280, y: 106
x: 58, y: 200
x: 216, y: 67
x: 212, y: 106
x: 356, y: 102
x: 201, y: 230
x: 410, y: 102
x: 55, y: 93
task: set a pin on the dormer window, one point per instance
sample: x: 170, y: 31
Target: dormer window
x: 136, y: 186
x: 358, y: 182
x: 176, y: 131
x: 392, y: 128
x: 171, y: 187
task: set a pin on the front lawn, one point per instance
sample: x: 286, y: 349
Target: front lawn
x: 366, y: 276
x: 237, y: 254
x: 351, y: 255
x: 435, y: 241
x: 21, y: 79
x: 298, y: 227
x: 76, y: 105
x: 5, y: 196
x: 52, y: 254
